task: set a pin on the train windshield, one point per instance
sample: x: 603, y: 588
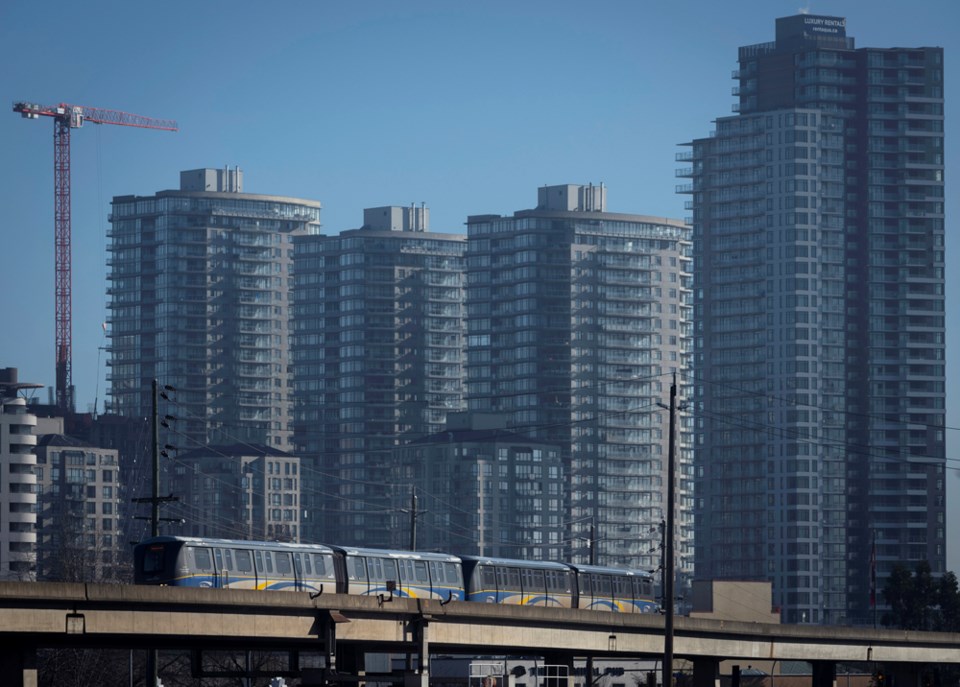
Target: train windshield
x: 153, y: 559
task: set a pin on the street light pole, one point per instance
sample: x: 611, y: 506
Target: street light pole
x: 668, y: 572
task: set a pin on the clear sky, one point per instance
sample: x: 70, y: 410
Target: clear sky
x: 466, y: 106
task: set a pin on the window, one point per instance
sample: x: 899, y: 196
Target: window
x: 284, y: 567
x: 244, y: 561
x: 202, y: 559
x: 153, y: 559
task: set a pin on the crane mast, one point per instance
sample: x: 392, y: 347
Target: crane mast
x: 67, y: 117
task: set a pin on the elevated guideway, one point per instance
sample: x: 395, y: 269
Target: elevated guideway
x: 36, y: 615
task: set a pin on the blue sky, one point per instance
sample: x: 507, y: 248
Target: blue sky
x: 468, y: 107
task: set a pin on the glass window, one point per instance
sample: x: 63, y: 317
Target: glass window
x: 356, y: 570
x: 201, y: 559
x: 153, y: 559
x: 420, y: 572
x: 244, y: 562
x: 284, y: 566
x: 389, y: 569
x: 319, y: 564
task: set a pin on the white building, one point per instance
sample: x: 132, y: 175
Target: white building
x: 18, y: 482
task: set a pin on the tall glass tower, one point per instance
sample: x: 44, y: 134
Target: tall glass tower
x: 200, y: 283
x: 578, y: 319
x: 819, y: 299
x: 378, y: 361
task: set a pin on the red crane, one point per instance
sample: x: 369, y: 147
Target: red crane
x: 65, y: 118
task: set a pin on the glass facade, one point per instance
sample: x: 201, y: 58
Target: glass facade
x: 199, y: 290
x: 378, y: 361
x: 818, y: 235
x: 577, y: 321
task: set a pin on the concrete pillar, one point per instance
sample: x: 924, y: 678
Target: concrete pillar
x: 904, y: 674
x: 705, y: 672
x: 560, y: 670
x: 421, y: 637
x: 824, y: 674
x: 18, y: 665
x: 350, y: 661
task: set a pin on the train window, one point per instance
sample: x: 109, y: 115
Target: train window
x: 356, y: 570
x: 318, y: 564
x: 218, y: 556
x: 488, y: 577
x: 558, y: 581
x: 306, y: 563
x: 258, y: 559
x: 283, y: 563
x: 502, y: 581
x: 641, y: 588
x: 297, y: 565
x: 244, y: 563
x: 566, y: 581
x: 228, y: 560
x: 452, y: 573
x: 420, y: 572
x: 622, y: 589
x: 436, y: 572
x: 201, y: 559
x: 268, y: 561
x: 585, y: 587
x: 526, y: 576
x: 536, y: 579
x: 513, y: 579
x: 375, y: 568
x: 601, y: 585
x: 153, y: 559
x: 389, y: 569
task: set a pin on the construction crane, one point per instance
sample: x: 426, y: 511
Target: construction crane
x: 67, y: 117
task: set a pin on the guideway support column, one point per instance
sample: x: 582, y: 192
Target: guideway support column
x: 824, y: 674
x: 419, y: 628
x: 18, y: 665
x: 559, y: 670
x: 705, y: 672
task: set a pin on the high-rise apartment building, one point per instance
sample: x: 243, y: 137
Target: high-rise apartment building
x: 481, y: 490
x: 378, y: 361
x: 200, y: 283
x: 819, y: 302
x: 79, y: 509
x: 578, y: 319
x: 18, y: 480
x: 242, y: 491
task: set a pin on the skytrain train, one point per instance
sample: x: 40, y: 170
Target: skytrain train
x: 318, y: 568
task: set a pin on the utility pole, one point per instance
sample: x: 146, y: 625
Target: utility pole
x: 668, y: 573
x: 413, y: 520
x: 155, y: 453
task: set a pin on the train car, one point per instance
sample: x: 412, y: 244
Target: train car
x: 414, y: 574
x: 614, y: 589
x: 525, y: 583
x: 235, y: 564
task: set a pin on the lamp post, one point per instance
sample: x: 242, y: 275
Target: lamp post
x: 668, y: 568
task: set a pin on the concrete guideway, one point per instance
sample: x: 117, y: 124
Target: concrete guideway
x: 35, y: 615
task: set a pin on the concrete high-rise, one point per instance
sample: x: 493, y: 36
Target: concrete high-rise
x: 578, y: 319
x: 78, y: 515
x: 482, y: 490
x: 819, y: 301
x: 200, y: 283
x: 243, y: 491
x: 378, y: 361
x: 18, y: 480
